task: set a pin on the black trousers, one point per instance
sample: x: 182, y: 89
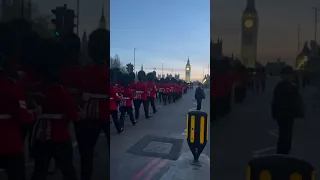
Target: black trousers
x: 160, y: 96
x: 62, y: 152
x: 285, y: 126
x: 14, y: 166
x: 87, y: 133
x: 199, y: 102
x: 129, y: 111
x: 153, y: 105
x: 137, y: 104
x: 165, y: 97
x: 115, y: 118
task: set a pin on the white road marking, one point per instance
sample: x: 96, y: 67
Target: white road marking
x: 264, y: 150
x: 192, y: 109
x: 184, y: 133
x: 159, y: 106
x: 195, y: 103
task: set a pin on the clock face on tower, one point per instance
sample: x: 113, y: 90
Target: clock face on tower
x: 187, y: 68
x: 248, y: 23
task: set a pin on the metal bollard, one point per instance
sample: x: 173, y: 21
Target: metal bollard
x: 279, y: 167
x: 197, y: 132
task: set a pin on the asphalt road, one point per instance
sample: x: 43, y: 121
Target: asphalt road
x: 168, y: 122
x: 250, y: 131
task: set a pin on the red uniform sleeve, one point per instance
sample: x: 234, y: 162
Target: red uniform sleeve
x: 131, y: 95
x: 70, y: 110
x: 20, y: 106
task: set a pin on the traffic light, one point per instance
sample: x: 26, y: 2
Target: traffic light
x: 130, y: 68
x: 58, y: 21
x: 69, y: 21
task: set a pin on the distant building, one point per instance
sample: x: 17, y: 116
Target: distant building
x: 177, y: 76
x: 188, y: 71
x: 102, y: 22
x: 274, y: 68
x: 249, y: 35
x: 216, y: 49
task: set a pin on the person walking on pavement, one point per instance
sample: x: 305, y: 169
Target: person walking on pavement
x: 199, y: 95
x: 152, y: 90
x: 287, y: 105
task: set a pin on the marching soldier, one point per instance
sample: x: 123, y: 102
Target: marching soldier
x: 13, y: 100
x: 166, y: 94
x: 126, y: 100
x: 141, y: 92
x: 51, y: 137
x: 152, y: 90
x: 114, y: 99
x: 161, y: 90
x: 96, y: 96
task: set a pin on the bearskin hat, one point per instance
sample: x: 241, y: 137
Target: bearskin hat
x: 141, y: 75
x: 99, y: 46
x: 150, y: 77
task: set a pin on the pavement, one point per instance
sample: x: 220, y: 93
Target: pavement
x: 249, y: 131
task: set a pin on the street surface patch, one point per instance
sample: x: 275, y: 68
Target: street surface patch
x: 160, y: 147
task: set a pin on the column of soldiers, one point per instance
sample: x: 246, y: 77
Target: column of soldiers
x: 127, y: 95
x: 230, y: 83
x: 256, y: 80
x: 43, y: 90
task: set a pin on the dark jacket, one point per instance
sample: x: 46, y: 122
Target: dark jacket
x: 287, y: 102
x: 199, y: 94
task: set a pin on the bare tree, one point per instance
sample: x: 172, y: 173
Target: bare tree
x: 115, y: 62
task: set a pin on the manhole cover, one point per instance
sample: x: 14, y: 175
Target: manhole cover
x: 158, y: 147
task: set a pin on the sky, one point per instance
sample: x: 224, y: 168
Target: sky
x: 163, y: 32
x: 90, y: 11
x: 278, y: 21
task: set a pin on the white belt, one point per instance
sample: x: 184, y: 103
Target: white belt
x: 125, y: 98
x: 98, y: 96
x: 5, y: 116
x: 51, y: 116
x: 139, y: 91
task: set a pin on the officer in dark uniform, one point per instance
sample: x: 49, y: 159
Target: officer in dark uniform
x: 286, y: 106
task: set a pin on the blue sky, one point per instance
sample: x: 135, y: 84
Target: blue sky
x: 165, y: 31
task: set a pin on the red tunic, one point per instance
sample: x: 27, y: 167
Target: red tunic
x: 113, y: 98
x: 57, y: 111
x: 96, y: 92
x: 13, y: 114
x: 127, y: 98
x: 152, y: 89
x: 141, y: 91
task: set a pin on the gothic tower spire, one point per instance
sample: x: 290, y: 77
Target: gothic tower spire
x: 102, y: 19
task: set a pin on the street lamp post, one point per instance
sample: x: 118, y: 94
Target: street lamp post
x: 134, y: 59
x: 298, y: 38
x: 162, y: 69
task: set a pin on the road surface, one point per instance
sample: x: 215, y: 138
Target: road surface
x: 250, y: 131
x: 163, y: 131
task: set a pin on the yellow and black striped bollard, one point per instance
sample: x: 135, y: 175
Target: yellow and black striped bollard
x: 197, y: 132
x: 279, y: 167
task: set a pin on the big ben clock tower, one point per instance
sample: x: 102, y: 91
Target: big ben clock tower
x: 188, y: 71
x: 249, y: 38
